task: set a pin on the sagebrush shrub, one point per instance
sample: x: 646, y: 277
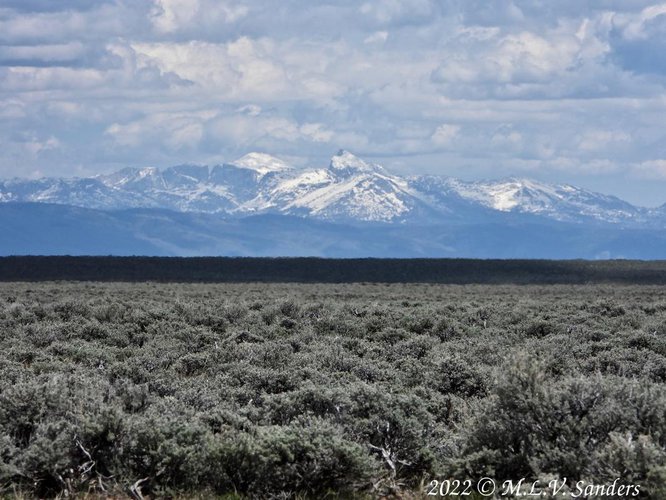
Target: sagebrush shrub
x: 283, y: 390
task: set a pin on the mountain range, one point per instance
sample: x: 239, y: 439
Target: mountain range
x: 261, y: 205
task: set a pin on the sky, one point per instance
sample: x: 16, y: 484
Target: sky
x: 568, y: 91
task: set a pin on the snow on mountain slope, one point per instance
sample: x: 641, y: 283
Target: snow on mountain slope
x: 184, y: 187
x: 183, y: 175
x: 135, y: 179
x: 90, y: 193
x: 285, y: 191
x: 370, y: 197
x: 345, y: 164
x: 560, y: 202
x: 261, y: 163
x: 349, y: 189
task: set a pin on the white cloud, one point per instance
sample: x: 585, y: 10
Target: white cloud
x: 66, y: 25
x: 169, y: 16
x: 173, y: 131
x: 12, y: 109
x: 36, y: 147
x: 555, y: 62
x: 243, y: 69
x: 600, y: 140
x: 24, y: 79
x: 651, y: 169
x: 317, y: 132
x: 377, y: 37
x: 40, y: 27
x: 444, y: 134
x: 507, y: 138
x: 387, y: 12
x: 250, y: 109
x: 244, y: 131
x: 50, y: 53
x: 252, y: 69
x: 633, y: 24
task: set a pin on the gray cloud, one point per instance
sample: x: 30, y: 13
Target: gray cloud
x: 639, y: 43
x: 50, y: 5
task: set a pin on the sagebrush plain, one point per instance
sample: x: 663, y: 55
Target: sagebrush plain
x: 345, y: 390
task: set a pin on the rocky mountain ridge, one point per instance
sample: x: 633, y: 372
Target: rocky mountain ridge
x: 348, y: 190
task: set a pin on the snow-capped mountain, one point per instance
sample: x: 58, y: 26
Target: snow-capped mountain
x: 262, y: 164
x: 559, y: 202
x: 349, y: 189
x: 90, y: 193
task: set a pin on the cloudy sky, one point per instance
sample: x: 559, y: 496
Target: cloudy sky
x: 571, y: 91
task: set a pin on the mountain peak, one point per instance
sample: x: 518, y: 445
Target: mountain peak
x: 345, y: 162
x: 261, y: 163
x: 131, y: 175
x: 350, y: 189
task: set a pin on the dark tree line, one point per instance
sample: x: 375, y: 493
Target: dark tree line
x: 316, y: 270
